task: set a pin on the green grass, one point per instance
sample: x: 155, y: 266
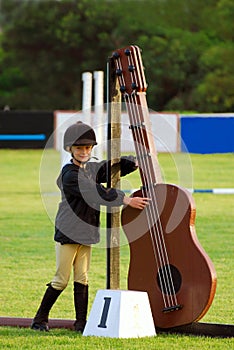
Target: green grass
x: 27, y: 250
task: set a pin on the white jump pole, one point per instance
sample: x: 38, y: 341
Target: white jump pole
x: 87, y: 96
x: 99, y: 111
x: 86, y: 112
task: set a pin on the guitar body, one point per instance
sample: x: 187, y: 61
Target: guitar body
x: 192, y: 271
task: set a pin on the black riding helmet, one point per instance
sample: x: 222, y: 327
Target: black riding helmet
x: 79, y: 134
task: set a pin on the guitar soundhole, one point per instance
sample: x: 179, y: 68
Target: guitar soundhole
x: 169, y: 279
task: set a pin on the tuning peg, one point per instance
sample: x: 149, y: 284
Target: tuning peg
x: 131, y: 68
x: 127, y: 52
x: 115, y: 55
x: 122, y: 88
x: 134, y: 86
x: 119, y: 72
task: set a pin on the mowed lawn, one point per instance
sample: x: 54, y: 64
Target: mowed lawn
x: 29, y: 201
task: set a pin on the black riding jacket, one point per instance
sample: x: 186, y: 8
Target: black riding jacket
x: 82, y: 192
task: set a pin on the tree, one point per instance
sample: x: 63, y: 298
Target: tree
x: 216, y: 91
x: 46, y: 45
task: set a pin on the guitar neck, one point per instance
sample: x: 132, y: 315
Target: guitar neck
x: 143, y: 137
x: 130, y: 73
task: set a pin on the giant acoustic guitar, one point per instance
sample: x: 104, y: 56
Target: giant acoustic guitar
x: 166, y: 258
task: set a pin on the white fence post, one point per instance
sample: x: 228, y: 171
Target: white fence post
x: 87, y: 97
x: 99, y: 112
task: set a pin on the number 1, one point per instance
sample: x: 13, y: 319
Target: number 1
x: 105, y: 313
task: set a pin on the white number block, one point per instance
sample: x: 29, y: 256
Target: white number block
x: 120, y: 314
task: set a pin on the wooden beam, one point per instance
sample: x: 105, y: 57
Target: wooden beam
x: 26, y: 322
x: 212, y: 330
x: 113, y: 215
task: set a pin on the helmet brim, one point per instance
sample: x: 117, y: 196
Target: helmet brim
x: 84, y: 142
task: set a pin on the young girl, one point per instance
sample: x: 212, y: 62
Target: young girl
x: 77, y: 220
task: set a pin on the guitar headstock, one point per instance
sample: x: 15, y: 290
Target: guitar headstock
x: 130, y: 70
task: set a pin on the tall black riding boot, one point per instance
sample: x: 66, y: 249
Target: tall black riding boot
x: 40, y: 321
x: 81, y: 305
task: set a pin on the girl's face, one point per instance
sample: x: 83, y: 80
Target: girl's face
x: 81, y: 153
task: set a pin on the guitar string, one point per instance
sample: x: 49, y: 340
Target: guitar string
x: 159, y: 231
x: 154, y: 239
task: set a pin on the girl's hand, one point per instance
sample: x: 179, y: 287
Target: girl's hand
x: 136, y: 202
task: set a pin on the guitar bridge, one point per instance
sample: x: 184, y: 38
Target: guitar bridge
x: 172, y: 308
